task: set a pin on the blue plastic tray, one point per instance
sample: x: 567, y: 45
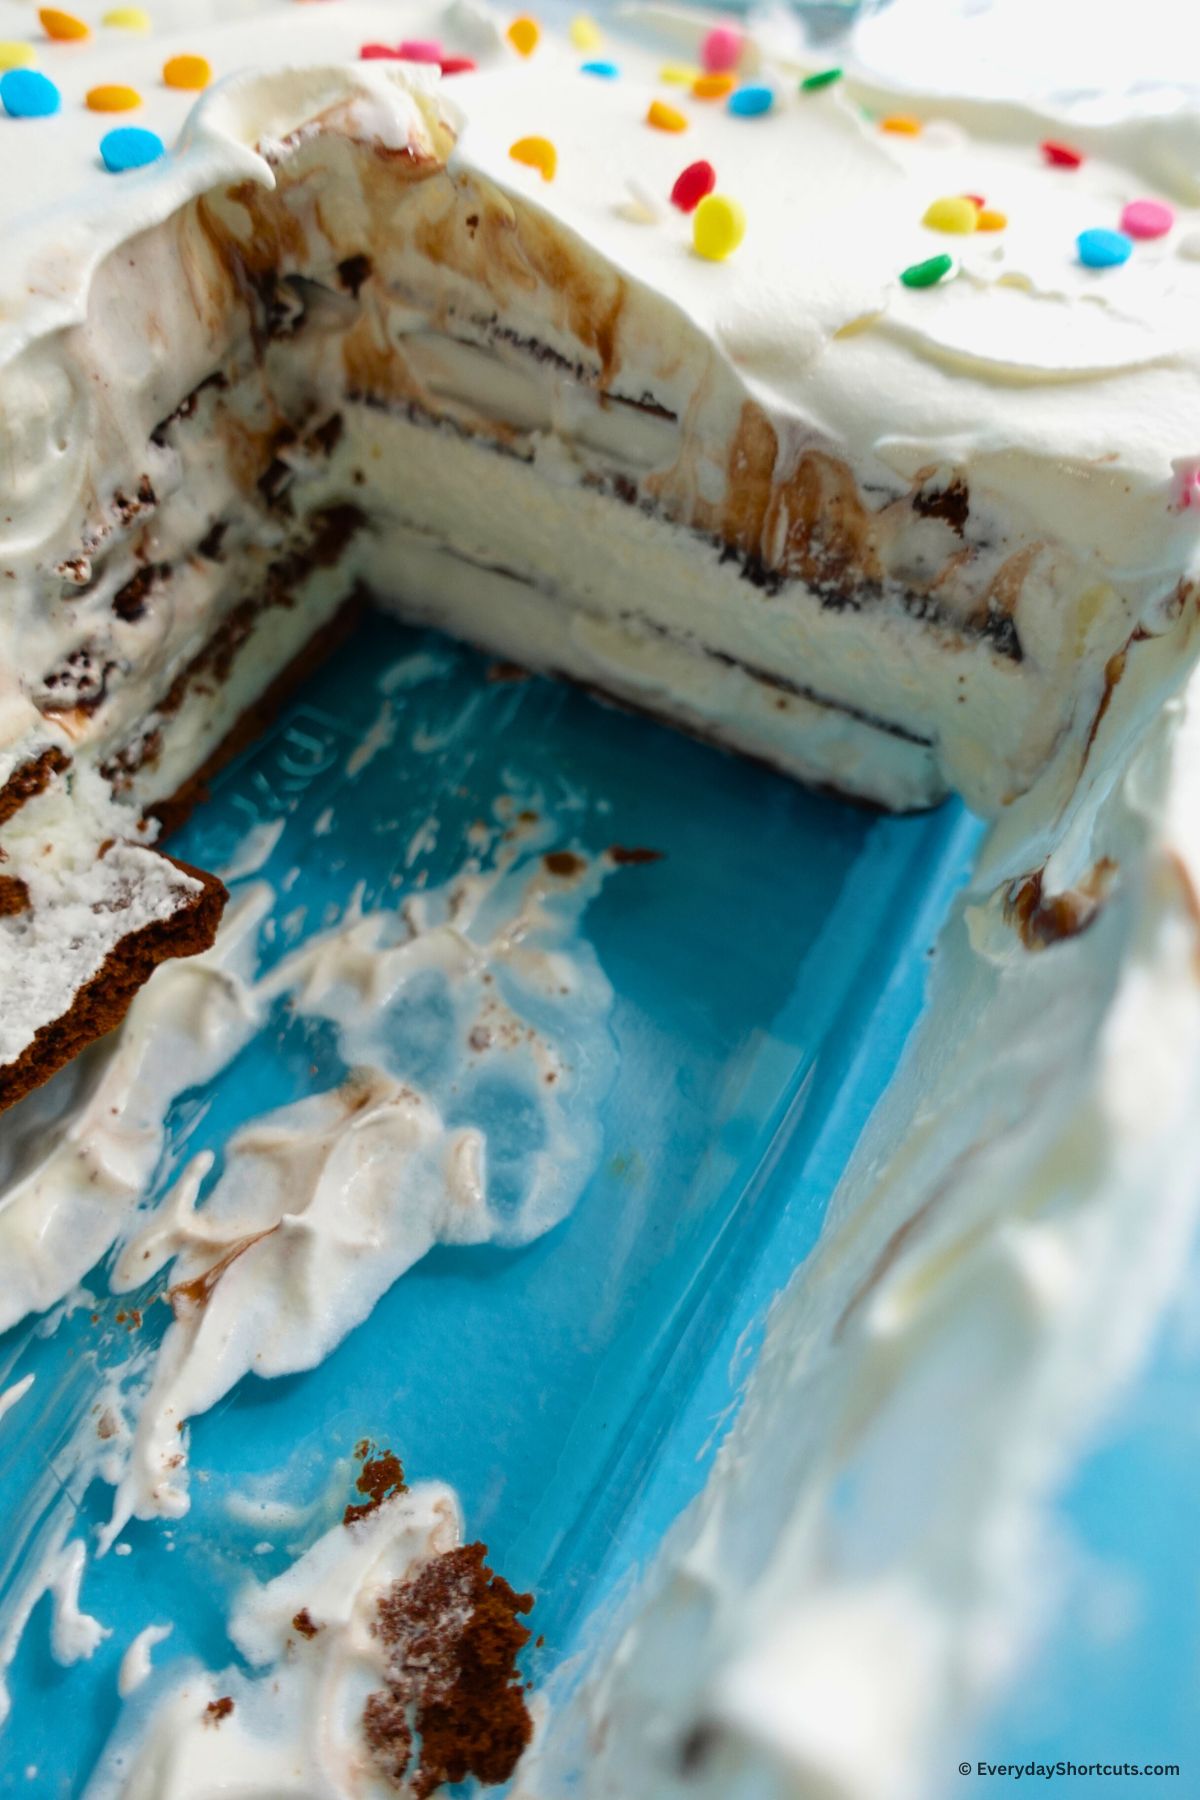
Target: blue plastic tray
x: 767, y: 971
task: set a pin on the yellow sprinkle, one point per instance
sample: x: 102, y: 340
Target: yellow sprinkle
x: 14, y: 55
x: 62, y: 25
x: 191, y: 72
x: 718, y: 227
x: 679, y: 74
x: 953, y: 213
x: 113, y: 99
x: 901, y: 124
x: 584, y: 33
x: 536, y: 153
x: 127, y: 18
x: 523, y: 35
x: 712, y: 86
x: 665, y: 118
x: 991, y: 219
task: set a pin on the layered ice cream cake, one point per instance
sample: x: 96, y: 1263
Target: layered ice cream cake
x: 853, y: 431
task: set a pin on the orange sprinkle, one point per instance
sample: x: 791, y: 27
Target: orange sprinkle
x: 62, y: 26
x: 192, y: 72
x: 712, y: 86
x: 902, y: 124
x: 524, y: 35
x: 991, y: 219
x: 664, y: 117
x: 536, y: 153
x: 113, y: 99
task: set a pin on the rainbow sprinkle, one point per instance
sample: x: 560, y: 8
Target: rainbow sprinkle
x: 1147, y: 219
x: 693, y: 185
x: 1061, y: 156
x: 665, y: 118
x: 524, y: 34
x: 130, y: 147
x: 64, y: 27
x: 751, y: 102
x: 955, y: 213
x: 607, y: 70
x: 15, y: 55
x: 718, y: 227
x: 712, y: 87
x: 189, y: 72
x: 1102, y: 249
x: 721, y: 49
x: 536, y: 153
x: 928, y: 273
x: 812, y: 84
x: 127, y: 18
x: 24, y: 94
x: 112, y: 98
x: 584, y: 33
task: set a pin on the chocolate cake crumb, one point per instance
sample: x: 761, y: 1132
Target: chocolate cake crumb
x: 305, y: 1624
x: 353, y: 271
x: 14, y: 896
x: 216, y: 1710
x: 381, y: 1478
x: 453, y: 1704
x: 564, y: 863
x: 1043, y: 920
x: 621, y: 855
x: 951, y: 503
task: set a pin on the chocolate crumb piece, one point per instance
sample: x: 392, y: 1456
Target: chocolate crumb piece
x: 14, y: 896
x: 305, y: 1624
x: 381, y: 1478
x: 453, y: 1704
x: 1043, y: 920
x: 216, y: 1710
x: 623, y: 855
x: 564, y: 863
x: 353, y: 271
x: 951, y: 503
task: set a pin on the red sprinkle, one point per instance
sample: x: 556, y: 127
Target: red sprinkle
x: 421, y: 50
x: 697, y: 180
x: 1061, y: 156
x: 379, y: 53
x: 975, y: 199
x: 457, y: 65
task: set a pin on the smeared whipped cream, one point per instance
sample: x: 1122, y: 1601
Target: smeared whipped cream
x: 294, y: 1725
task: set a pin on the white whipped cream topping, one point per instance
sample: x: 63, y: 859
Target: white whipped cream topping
x: 136, y: 1663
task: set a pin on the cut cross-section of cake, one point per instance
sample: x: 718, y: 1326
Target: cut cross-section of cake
x: 893, y: 525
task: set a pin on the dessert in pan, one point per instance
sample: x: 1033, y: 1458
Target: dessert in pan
x: 845, y: 427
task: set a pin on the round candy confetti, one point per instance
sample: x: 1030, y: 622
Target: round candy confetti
x: 457, y: 65
x: 928, y: 273
x: 15, y: 55
x: 127, y: 18
x: 536, y: 153
x: 25, y: 94
x: 665, y: 118
x: 697, y: 180
x: 1061, y: 156
x: 1147, y: 219
x: 712, y: 87
x: 991, y: 219
x: 524, y: 34
x: 420, y: 50
x: 378, y: 53
x: 678, y: 74
x: 901, y: 125
x: 190, y: 72
x: 722, y: 48
x: 751, y: 101
x: 129, y: 147
x: 955, y: 213
x: 812, y: 84
x: 1101, y: 249
x: 718, y: 227
x: 113, y: 99
x: 584, y: 33
x: 608, y: 71
x: 62, y: 26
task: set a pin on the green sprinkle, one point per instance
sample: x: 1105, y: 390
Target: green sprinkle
x: 927, y: 273
x: 823, y: 79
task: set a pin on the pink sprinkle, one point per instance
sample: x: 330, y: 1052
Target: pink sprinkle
x: 1147, y: 219
x: 379, y: 53
x: 1187, y: 482
x: 422, y: 50
x: 457, y: 65
x: 721, y: 49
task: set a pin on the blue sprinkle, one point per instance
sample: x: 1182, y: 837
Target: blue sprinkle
x: 129, y: 147
x: 748, y: 102
x: 1103, y: 249
x: 28, y: 95
x: 609, y: 70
